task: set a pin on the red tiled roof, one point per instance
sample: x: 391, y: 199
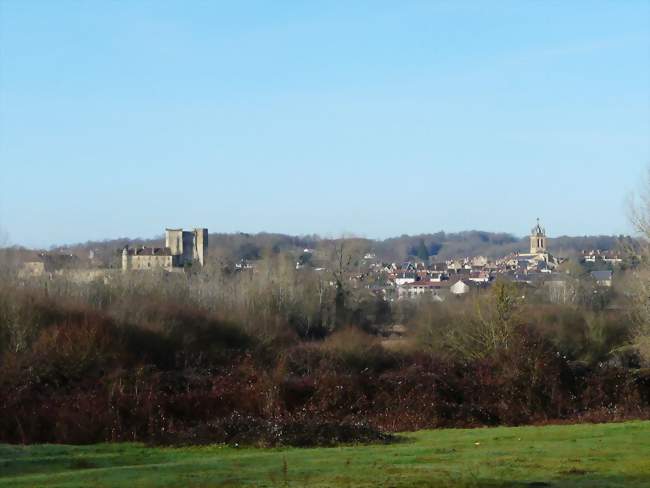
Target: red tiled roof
x: 429, y: 284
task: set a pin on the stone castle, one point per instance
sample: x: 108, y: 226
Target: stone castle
x: 182, y: 248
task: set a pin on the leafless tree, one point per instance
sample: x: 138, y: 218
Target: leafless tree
x: 639, y: 210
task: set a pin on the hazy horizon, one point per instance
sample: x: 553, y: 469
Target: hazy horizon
x: 375, y: 118
x: 161, y: 237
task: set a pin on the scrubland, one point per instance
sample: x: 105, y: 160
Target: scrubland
x: 277, y: 357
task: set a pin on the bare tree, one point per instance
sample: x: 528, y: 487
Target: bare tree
x: 344, y: 262
x: 639, y: 210
x: 489, y: 328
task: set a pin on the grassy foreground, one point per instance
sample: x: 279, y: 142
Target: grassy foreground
x: 602, y: 455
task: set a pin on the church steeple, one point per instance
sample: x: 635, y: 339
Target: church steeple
x: 537, y: 239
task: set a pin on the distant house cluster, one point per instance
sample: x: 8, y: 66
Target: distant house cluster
x: 598, y: 256
x: 456, y: 277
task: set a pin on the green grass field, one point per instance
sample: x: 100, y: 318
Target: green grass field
x: 603, y: 455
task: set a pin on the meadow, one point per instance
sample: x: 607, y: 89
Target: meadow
x: 582, y: 455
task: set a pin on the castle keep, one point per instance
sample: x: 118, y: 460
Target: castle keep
x: 182, y: 248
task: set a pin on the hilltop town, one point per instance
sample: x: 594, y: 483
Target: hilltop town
x: 324, y: 244
x: 422, y: 276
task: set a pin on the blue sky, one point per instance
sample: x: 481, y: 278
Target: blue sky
x: 372, y: 118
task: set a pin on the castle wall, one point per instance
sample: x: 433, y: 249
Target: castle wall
x: 150, y: 262
x: 85, y: 275
x: 34, y: 268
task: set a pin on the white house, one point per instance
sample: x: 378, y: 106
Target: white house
x: 437, y: 290
x: 459, y: 288
x: 405, y: 278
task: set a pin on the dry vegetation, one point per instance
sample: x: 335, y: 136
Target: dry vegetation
x: 267, y: 357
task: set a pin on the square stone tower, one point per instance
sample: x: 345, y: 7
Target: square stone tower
x: 200, y: 251
x: 174, y: 241
x: 187, y: 246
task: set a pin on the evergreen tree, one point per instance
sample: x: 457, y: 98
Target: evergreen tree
x: 423, y: 252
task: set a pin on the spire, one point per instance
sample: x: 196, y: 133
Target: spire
x: 537, y: 230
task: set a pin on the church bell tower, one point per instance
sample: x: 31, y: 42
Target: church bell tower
x: 537, y: 240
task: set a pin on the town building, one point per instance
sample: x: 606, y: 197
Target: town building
x: 459, y: 288
x: 596, y: 255
x: 603, y: 277
x: 437, y: 290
